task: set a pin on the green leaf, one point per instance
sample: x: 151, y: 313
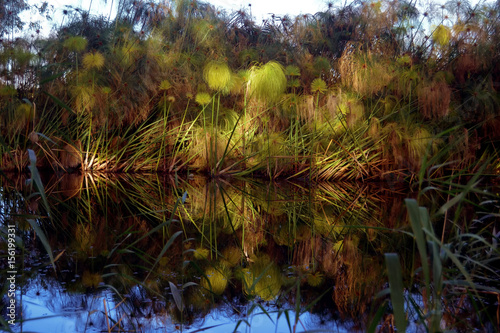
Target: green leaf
x: 59, y: 102
x: 451, y: 203
x: 376, y: 319
x: 38, y: 181
x: 396, y: 287
x: 418, y: 232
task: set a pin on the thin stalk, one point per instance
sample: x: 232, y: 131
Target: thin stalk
x: 215, y: 135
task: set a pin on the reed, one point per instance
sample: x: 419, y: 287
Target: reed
x: 130, y: 92
x: 443, y: 272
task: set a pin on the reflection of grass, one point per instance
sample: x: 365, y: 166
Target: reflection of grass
x: 144, y: 232
x: 315, y: 279
x: 91, y: 280
x: 263, y: 278
x: 216, y: 279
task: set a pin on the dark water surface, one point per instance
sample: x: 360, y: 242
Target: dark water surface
x: 165, y: 254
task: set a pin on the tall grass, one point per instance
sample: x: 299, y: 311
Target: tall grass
x: 369, y: 95
x: 451, y: 270
x: 120, y: 99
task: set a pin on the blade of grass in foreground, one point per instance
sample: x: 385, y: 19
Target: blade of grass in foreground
x: 396, y: 288
x: 35, y: 176
x: 416, y: 224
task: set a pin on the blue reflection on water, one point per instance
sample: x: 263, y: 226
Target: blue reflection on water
x: 51, y: 309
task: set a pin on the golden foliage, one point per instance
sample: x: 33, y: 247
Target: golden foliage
x: 84, y: 239
x: 91, y: 280
x: 84, y: 97
x: 127, y: 53
x: 270, y: 151
x: 232, y: 256
x: 267, y: 82
x: 93, y: 60
x: 207, y: 148
x: 365, y: 73
x: 393, y: 149
x: 466, y: 65
x: 201, y: 253
x: 6, y: 90
x: 235, y: 85
x: 441, y: 35
x: 315, y: 279
x: 306, y: 108
x: 374, y: 129
x: 418, y: 145
x: 165, y: 85
x: 71, y: 184
x: 292, y: 70
x: 263, y: 278
x: 23, y: 114
x: 203, y: 99
x: 205, y: 34
x: 434, y: 99
x: 465, y: 146
x: 390, y: 102
x: 407, y: 80
x: 352, y: 109
x: 70, y: 155
x: 356, y: 281
x: 217, y: 279
x: 217, y: 75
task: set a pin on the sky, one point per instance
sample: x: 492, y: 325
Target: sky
x: 260, y: 9
x: 263, y: 8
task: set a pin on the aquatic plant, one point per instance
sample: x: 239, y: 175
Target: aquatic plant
x: 263, y: 278
x: 318, y: 87
x: 267, y: 82
x: 217, y: 75
x: 216, y: 279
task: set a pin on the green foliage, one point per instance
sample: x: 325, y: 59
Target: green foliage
x: 368, y: 82
x: 216, y: 279
x: 10, y: 19
x: 203, y: 98
x: 292, y: 70
x: 267, y: 82
x: 76, y: 43
x: 93, y: 60
x: 318, y: 86
x: 263, y: 278
x: 217, y: 75
x: 441, y: 35
x: 396, y: 288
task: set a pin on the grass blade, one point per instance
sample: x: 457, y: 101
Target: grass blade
x: 396, y: 287
x: 43, y: 239
x: 418, y: 232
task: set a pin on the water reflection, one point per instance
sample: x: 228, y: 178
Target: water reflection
x: 131, y: 255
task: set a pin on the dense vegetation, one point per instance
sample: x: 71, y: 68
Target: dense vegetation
x: 368, y: 90
x: 352, y: 92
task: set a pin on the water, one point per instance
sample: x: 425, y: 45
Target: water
x: 163, y: 254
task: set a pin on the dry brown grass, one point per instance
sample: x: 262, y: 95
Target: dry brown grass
x: 364, y: 72
x: 434, y: 99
